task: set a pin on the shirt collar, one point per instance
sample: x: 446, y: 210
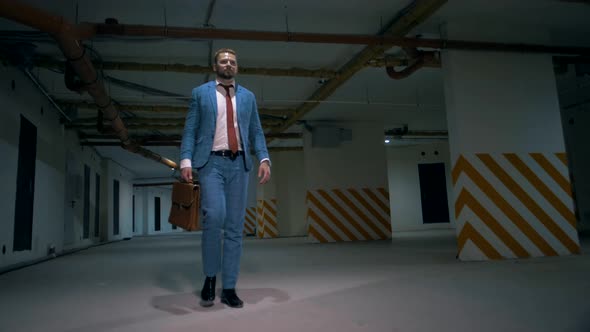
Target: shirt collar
x: 233, y: 83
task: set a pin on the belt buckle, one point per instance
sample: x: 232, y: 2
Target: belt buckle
x: 232, y: 156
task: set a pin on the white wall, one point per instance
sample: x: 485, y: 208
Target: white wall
x: 404, y: 184
x: 145, y: 212
x: 165, y: 194
x: 501, y: 102
x: 288, y: 174
x: 360, y: 162
x: 49, y: 173
x: 51, y: 206
x: 140, y: 217
x: 117, y: 172
x: 76, y: 157
x: 497, y: 30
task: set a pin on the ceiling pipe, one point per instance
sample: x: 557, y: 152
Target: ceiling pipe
x: 417, y: 61
x: 92, y: 30
x: 389, y: 61
x: 409, y: 70
x: 64, y: 34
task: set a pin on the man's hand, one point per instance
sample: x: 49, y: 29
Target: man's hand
x: 187, y: 174
x: 264, y: 172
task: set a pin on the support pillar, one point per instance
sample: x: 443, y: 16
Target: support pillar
x: 512, y: 192
x: 346, y: 183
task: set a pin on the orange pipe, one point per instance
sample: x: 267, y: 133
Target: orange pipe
x: 67, y: 38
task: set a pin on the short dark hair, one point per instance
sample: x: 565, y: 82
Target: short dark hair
x: 223, y: 50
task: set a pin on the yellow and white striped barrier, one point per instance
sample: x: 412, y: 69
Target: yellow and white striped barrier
x: 266, y: 219
x: 250, y: 222
x: 510, y: 205
x: 353, y: 214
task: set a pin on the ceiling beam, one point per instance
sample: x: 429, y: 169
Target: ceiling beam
x: 135, y: 121
x: 143, y: 138
x: 177, y: 143
x: 164, y: 140
x: 113, y: 143
x: 175, y: 127
x: 390, y: 61
x: 284, y: 135
x: 410, y: 17
x: 168, y: 138
x: 154, y: 184
x: 130, y: 127
x: 52, y: 63
x: 89, y: 30
x: 83, y: 105
x: 285, y: 148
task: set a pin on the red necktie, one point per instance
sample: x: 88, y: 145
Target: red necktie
x: 232, y: 140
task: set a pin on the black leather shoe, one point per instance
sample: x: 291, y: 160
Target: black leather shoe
x: 229, y: 297
x: 208, y: 292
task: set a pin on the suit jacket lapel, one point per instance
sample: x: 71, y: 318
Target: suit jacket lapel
x: 213, y: 98
x: 240, y: 107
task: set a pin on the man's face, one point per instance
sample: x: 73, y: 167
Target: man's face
x: 226, y: 66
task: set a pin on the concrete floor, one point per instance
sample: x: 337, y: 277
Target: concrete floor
x: 411, y: 284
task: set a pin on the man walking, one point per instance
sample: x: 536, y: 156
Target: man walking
x: 222, y: 126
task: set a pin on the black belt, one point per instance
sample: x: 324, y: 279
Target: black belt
x: 227, y: 154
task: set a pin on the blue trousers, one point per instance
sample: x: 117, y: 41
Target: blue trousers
x: 224, y: 189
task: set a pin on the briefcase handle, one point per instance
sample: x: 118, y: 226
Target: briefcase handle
x: 195, y: 176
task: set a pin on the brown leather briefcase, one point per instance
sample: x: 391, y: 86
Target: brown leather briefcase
x: 184, y: 211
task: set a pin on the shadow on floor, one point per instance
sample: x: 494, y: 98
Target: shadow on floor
x: 186, y: 303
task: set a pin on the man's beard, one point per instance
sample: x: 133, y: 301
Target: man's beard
x: 226, y: 75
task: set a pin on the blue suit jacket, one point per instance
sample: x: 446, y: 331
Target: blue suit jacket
x: 199, y: 128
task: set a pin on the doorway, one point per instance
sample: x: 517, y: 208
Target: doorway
x: 433, y: 193
x: 25, y: 186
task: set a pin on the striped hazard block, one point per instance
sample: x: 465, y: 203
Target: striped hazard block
x: 266, y: 219
x: 250, y: 222
x: 348, y: 214
x: 514, y: 206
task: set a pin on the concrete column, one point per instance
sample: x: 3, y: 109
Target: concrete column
x: 512, y: 192
x: 575, y: 100
x: 266, y: 208
x: 289, y: 176
x: 250, y: 222
x: 346, y: 183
